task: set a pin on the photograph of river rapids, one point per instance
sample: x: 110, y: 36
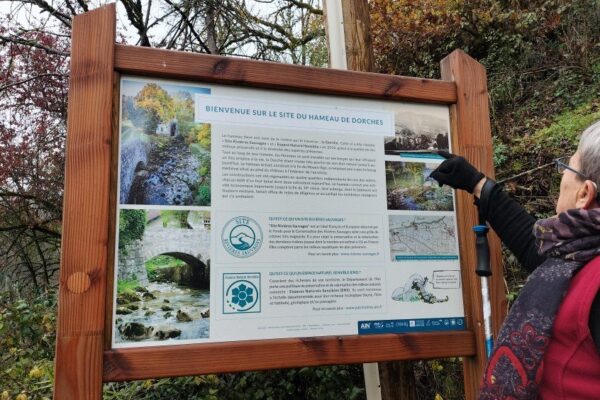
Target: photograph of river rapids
x: 163, y: 277
x: 165, y: 155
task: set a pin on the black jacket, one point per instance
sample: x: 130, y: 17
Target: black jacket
x: 514, y: 226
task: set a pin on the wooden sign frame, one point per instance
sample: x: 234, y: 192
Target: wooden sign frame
x: 84, y: 357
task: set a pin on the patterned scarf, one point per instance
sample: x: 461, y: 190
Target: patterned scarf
x: 514, y: 370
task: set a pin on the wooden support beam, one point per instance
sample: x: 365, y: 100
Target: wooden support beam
x: 269, y: 75
x: 470, y: 123
x: 196, y: 359
x: 81, y: 305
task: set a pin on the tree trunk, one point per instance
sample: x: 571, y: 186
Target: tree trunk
x: 211, y: 33
x: 397, y: 380
x: 357, y: 31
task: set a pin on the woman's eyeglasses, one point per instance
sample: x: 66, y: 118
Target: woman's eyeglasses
x: 563, y: 163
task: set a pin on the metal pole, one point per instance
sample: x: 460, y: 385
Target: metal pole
x: 372, y: 382
x: 487, y: 316
x: 484, y: 272
x: 335, y: 34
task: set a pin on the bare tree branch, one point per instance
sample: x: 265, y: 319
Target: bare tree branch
x: 185, y: 19
x: 50, y: 205
x: 28, y: 80
x: 64, y: 18
x: 83, y: 5
x: 136, y: 17
x: 32, y: 43
x: 309, y: 7
x: 70, y: 7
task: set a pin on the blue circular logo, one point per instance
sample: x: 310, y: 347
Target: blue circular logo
x: 241, y: 237
x: 241, y: 296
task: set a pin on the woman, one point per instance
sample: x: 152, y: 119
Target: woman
x: 549, y: 344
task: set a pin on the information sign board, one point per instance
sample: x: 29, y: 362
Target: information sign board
x: 264, y: 214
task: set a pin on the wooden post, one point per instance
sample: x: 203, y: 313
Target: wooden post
x: 470, y: 123
x: 81, y: 311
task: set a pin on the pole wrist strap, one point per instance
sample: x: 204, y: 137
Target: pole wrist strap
x: 484, y: 199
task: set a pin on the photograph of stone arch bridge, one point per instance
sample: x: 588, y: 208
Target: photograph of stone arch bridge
x: 163, y: 276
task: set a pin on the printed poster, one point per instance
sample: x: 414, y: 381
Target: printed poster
x: 249, y: 214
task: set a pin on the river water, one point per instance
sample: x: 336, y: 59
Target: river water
x: 154, y: 313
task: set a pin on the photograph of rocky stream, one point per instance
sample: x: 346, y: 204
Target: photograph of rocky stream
x: 165, y: 154
x: 163, y: 279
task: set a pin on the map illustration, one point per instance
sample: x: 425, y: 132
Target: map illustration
x: 422, y: 237
x: 417, y: 289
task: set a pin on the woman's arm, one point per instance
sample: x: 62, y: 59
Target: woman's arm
x: 512, y: 223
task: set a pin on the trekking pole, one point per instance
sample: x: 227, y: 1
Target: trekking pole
x: 484, y: 272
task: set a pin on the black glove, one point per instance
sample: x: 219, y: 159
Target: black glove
x: 456, y: 172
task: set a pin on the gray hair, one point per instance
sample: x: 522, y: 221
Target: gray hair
x: 589, y: 152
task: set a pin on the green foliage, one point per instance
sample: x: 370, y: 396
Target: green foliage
x: 543, y: 76
x: 183, y: 110
x: 323, y: 383
x: 200, y: 147
x: 540, y: 64
x: 501, y: 152
x: 132, y: 224
x: 204, y: 170
x: 161, y: 142
x: 151, y: 123
x: 538, y: 55
x: 191, y: 388
x: 515, y: 155
x: 203, y: 196
x: 127, y: 285
x: 157, y: 104
x: 197, y: 150
x: 174, y: 219
x: 317, y: 50
x: 161, y: 261
x: 27, y: 337
x: 439, y: 379
x: 202, y: 135
x: 563, y: 134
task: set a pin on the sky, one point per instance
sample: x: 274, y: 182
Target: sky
x: 5, y: 6
x: 123, y: 26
